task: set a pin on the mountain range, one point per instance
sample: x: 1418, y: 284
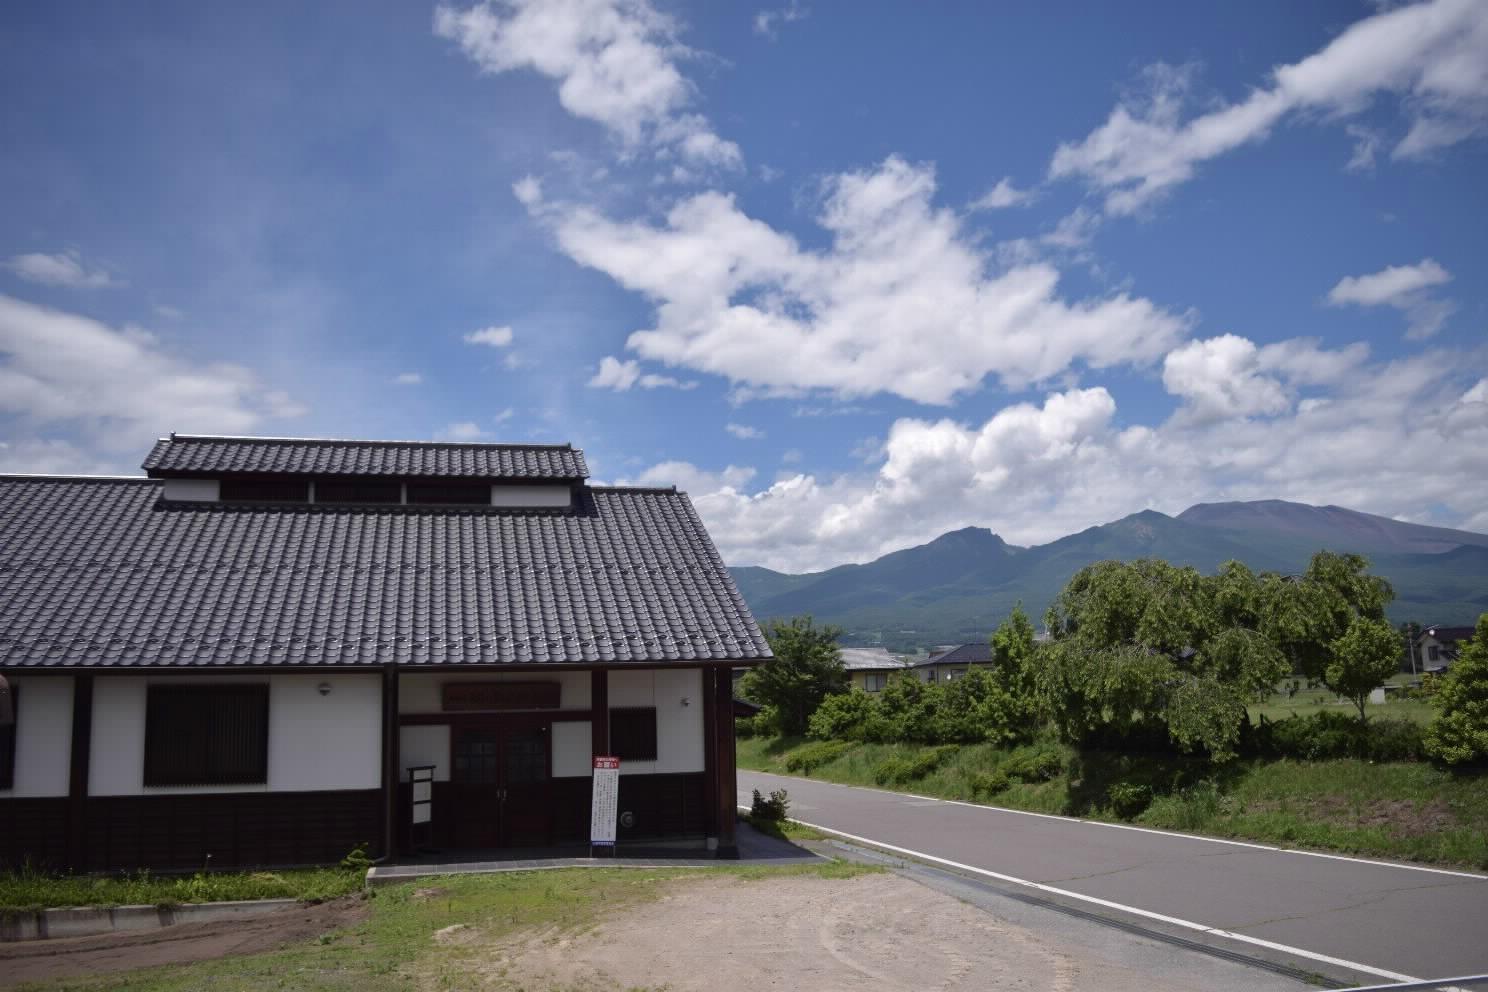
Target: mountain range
x: 960, y: 585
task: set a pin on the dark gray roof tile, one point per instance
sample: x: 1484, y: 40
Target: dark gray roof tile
x: 102, y: 572
x: 194, y: 455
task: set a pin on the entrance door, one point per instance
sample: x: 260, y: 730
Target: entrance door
x: 500, y: 785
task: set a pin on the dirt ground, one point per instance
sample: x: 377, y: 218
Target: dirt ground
x: 874, y: 933
x: 78, y: 957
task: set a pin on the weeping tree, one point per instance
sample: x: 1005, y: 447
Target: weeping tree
x: 1146, y: 650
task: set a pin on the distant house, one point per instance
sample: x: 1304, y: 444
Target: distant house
x: 952, y: 663
x: 870, y: 668
x: 1437, y: 647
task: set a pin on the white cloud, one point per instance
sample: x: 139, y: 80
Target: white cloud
x: 65, y: 269
x: 408, y: 379
x: 623, y: 375
x: 903, y: 301
x: 1389, y: 437
x: 1406, y: 288
x: 496, y: 337
x: 615, y: 62
x: 1432, y: 55
x: 766, y: 21
x: 1220, y: 378
x: 118, y: 387
x: 463, y: 430
x: 1004, y: 194
x: 1366, y: 145
x: 744, y: 432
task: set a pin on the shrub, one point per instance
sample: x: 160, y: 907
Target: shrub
x: 1323, y: 736
x: 987, y: 784
x: 848, y: 716
x: 897, y: 770
x: 1129, y: 799
x: 773, y: 809
x: 765, y: 723
x: 1459, y: 736
x: 1042, y: 763
x: 809, y: 756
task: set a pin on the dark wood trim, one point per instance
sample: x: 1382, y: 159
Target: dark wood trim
x: 77, y: 773
x: 599, y: 708
x: 710, y: 756
x: 392, y: 774
x: 453, y: 719
x: 372, y: 668
x: 728, y: 783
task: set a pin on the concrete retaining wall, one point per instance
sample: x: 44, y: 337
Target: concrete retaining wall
x: 86, y: 921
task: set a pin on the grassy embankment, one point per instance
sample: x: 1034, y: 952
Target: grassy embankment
x: 1403, y: 810
x: 27, y: 890
x: 394, y: 948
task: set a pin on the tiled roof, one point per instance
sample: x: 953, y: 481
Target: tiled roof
x: 100, y: 572
x: 182, y: 454
x: 869, y: 659
x: 979, y: 652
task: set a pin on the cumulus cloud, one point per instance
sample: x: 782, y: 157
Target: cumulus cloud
x: 615, y: 62
x: 495, y: 337
x: 1004, y: 194
x: 64, y: 269
x: 902, y: 301
x: 623, y: 375
x: 1385, y: 438
x: 1406, y: 288
x: 744, y: 432
x: 119, y: 386
x: 1432, y: 55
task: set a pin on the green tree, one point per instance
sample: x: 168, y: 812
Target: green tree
x: 1013, y: 711
x: 1367, y: 653
x: 1145, y: 650
x: 1459, y: 734
x: 805, y: 669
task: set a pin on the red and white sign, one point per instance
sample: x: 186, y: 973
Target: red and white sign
x: 605, y: 807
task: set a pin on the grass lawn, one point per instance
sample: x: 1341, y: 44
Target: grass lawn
x: 28, y: 890
x: 1307, y: 701
x: 395, y: 947
x: 1405, y: 810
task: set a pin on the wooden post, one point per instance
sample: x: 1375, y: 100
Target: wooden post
x: 599, y: 737
x: 728, y: 781
x: 710, y: 757
x: 392, y: 775
x: 77, y: 778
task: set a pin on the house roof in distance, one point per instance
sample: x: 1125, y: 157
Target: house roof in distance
x: 978, y: 652
x: 870, y: 659
x: 103, y: 572
x: 207, y: 455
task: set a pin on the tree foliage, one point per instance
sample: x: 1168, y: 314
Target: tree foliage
x: 1459, y: 734
x: 1367, y: 653
x: 805, y: 669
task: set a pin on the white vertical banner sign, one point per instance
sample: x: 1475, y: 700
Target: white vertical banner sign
x: 605, y: 807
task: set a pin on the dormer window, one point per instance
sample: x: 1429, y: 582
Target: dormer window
x: 358, y: 491
x: 274, y: 489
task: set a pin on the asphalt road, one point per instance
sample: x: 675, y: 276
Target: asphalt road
x: 1391, y: 921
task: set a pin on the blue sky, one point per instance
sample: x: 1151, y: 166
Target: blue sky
x: 851, y: 274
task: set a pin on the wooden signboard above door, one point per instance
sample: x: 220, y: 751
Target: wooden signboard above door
x: 489, y: 696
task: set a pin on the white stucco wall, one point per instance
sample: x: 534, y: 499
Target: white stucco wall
x: 43, y: 736
x: 679, y: 727
x: 538, y: 496
x: 193, y: 490
x: 571, y: 742
x: 425, y: 745
x: 420, y: 692
x: 315, y: 742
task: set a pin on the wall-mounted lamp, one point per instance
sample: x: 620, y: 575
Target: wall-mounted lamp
x: 684, y: 700
x: 324, y: 688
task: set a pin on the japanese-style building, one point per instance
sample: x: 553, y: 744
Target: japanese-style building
x: 241, y: 656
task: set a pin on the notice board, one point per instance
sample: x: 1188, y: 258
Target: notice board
x: 605, y: 807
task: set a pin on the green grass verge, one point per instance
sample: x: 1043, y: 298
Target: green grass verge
x: 394, y: 948
x: 30, y: 890
x: 1279, y: 706
x: 1407, y: 811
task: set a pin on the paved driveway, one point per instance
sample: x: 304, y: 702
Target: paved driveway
x: 1393, y: 921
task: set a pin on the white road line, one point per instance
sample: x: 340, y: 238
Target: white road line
x: 1148, y: 914
x: 1151, y: 830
